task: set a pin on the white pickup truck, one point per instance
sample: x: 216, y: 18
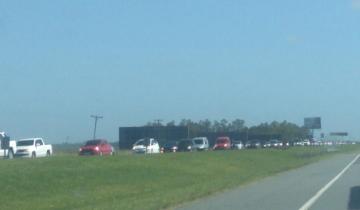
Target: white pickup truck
x: 33, y: 147
x: 7, y: 146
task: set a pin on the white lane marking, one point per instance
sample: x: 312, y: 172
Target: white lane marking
x: 311, y: 202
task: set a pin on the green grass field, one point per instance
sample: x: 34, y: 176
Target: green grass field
x: 128, y: 181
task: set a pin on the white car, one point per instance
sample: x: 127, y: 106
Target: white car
x: 299, y: 143
x: 306, y: 142
x: 32, y: 148
x: 146, y: 146
x: 237, y: 145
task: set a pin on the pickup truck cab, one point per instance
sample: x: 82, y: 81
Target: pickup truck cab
x: 7, y: 146
x: 32, y: 148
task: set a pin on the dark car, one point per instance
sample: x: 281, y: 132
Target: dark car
x: 253, y: 144
x: 170, y: 147
x: 266, y: 144
x: 275, y: 143
x: 186, y: 145
x: 96, y: 147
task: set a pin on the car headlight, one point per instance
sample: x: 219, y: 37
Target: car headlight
x: 97, y: 148
x: 189, y: 147
x: 80, y: 149
x: 225, y: 145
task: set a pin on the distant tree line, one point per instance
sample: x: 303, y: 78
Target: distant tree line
x: 238, y: 129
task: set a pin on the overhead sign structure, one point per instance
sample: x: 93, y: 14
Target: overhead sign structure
x: 339, y: 134
x: 312, y: 122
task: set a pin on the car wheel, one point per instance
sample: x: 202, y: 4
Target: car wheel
x: 48, y: 153
x: 33, y: 155
x: 11, y: 154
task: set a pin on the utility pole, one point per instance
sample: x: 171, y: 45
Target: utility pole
x: 158, y: 122
x: 188, y: 131
x: 96, y: 117
x: 247, y: 134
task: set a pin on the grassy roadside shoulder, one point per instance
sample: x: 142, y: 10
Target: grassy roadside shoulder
x: 139, y: 181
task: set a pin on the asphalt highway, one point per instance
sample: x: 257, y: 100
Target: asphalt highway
x: 331, y: 184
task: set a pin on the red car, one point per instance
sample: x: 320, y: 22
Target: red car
x: 96, y: 147
x: 222, y: 143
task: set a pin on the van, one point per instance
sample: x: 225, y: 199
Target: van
x: 201, y: 143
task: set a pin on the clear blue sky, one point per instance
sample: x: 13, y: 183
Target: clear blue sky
x: 135, y: 61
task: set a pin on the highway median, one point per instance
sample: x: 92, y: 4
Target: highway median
x: 127, y: 181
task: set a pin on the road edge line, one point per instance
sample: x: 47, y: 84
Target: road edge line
x: 312, y: 200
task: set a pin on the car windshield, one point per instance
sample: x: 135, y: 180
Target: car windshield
x: 142, y: 142
x: 185, y: 143
x: 25, y: 143
x: 222, y: 141
x: 199, y: 141
x: 93, y: 142
x: 170, y: 144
